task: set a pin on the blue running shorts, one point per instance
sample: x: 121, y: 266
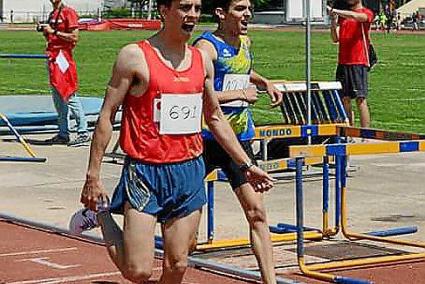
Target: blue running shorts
x: 166, y: 191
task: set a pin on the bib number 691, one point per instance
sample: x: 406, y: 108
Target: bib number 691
x: 182, y: 112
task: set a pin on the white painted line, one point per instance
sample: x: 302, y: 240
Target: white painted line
x: 66, y: 279
x: 37, y: 251
x: 45, y: 261
x: 72, y: 278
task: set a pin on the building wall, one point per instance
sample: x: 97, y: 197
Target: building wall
x: 292, y: 12
x: 35, y: 10
x: 1, y: 11
x: 114, y: 3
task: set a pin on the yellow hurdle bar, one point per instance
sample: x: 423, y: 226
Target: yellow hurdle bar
x: 276, y: 238
x: 356, y: 149
x: 295, y: 131
x: 285, y: 163
x: 379, y: 134
x: 365, y: 261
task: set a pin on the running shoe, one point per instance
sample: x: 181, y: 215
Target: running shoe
x: 81, y: 139
x: 57, y: 140
x: 83, y: 220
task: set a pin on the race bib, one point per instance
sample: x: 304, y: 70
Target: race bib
x: 233, y: 82
x: 180, y: 113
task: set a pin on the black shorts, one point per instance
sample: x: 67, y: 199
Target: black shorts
x: 216, y: 157
x: 353, y: 79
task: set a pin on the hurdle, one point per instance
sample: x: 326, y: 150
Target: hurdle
x: 327, y: 111
x: 326, y: 104
x: 33, y: 157
x: 328, y: 114
x: 370, y: 133
x: 342, y: 150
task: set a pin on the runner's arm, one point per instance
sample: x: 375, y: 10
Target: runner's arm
x: 225, y: 136
x: 122, y: 77
x: 263, y: 83
x: 118, y: 86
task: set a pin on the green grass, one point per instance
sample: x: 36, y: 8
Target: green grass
x: 397, y: 85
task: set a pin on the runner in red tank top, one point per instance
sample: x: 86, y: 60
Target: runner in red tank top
x: 153, y: 136
x: 162, y: 84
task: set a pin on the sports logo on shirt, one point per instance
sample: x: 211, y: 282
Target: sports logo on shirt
x: 227, y: 53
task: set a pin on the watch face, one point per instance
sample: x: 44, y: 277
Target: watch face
x: 245, y: 166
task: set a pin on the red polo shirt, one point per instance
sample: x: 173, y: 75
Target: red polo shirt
x: 352, y: 48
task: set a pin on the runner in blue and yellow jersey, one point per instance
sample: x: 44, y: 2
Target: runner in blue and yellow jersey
x: 235, y: 85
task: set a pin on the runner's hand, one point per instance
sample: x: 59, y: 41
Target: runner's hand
x: 250, y: 95
x: 259, y: 179
x: 275, y: 95
x: 93, y: 194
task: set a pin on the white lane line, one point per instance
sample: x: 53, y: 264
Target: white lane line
x: 72, y: 278
x: 37, y: 251
x: 66, y: 279
x: 45, y: 261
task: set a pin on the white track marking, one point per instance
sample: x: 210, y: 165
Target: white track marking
x: 37, y: 251
x: 76, y: 278
x: 45, y: 261
x: 66, y: 279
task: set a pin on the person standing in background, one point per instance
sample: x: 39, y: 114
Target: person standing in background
x: 350, y: 29
x: 61, y: 34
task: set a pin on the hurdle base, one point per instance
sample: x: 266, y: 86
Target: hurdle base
x: 394, y: 232
x: 22, y: 159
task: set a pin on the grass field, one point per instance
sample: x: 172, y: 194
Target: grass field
x: 397, y: 84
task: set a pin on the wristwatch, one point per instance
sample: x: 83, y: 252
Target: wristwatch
x: 245, y: 166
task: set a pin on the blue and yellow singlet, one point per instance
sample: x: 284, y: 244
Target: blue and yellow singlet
x: 231, y: 72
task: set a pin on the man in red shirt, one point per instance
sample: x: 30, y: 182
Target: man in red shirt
x: 164, y: 86
x: 350, y: 27
x: 61, y: 33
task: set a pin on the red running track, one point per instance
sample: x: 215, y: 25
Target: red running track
x: 30, y: 255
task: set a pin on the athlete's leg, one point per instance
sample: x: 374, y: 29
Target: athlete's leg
x: 346, y: 101
x: 178, y: 235
x: 255, y: 213
x: 364, y: 112
x: 132, y: 250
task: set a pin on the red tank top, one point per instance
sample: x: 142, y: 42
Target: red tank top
x: 140, y: 136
